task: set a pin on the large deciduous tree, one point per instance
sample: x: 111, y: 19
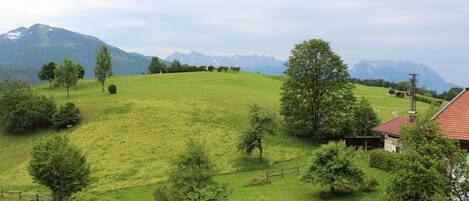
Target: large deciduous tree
x: 103, y: 68
x: 156, y: 66
x: 60, y: 166
x: 431, y: 166
x: 262, y: 124
x: 333, y: 166
x: 67, y: 74
x: 47, y: 72
x: 317, y: 96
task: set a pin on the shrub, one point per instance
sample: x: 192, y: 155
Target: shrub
x: 67, y: 115
x: 400, y: 94
x: 82, y: 196
x: 112, y: 89
x: 258, y: 181
x: 392, y: 91
x: 382, y: 159
x: 369, y: 185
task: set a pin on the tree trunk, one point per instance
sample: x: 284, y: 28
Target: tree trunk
x: 260, y: 148
x: 68, y: 93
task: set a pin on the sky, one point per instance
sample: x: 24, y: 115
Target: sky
x: 434, y: 33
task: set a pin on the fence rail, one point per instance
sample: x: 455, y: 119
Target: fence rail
x: 283, y: 172
x: 18, y: 195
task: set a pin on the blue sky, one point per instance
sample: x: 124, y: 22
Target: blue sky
x: 435, y: 33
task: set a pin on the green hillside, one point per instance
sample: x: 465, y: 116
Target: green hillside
x: 129, y: 138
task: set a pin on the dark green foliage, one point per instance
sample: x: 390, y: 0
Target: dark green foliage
x: 391, y: 91
x: 400, y: 94
x: 47, y: 72
x: 384, y: 160
x: 67, y: 74
x: 333, y: 166
x: 103, y: 68
x: 262, y: 124
x: 80, y: 71
x: 430, y: 101
x: 235, y: 69
x: 431, y: 166
x: 67, y: 115
x: 156, y: 66
x: 191, y: 178
x: 450, y: 94
x: 317, y: 98
x: 210, y: 68
x: 365, y: 118
x: 369, y: 185
x: 60, y: 166
x: 21, y: 110
x: 403, y: 86
x: 112, y: 89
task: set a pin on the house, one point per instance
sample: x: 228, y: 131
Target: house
x: 453, y: 120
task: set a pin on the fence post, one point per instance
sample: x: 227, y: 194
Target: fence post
x: 19, y: 195
x: 1, y: 194
x: 37, y: 196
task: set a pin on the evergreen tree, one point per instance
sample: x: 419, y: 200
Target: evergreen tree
x: 365, y: 118
x: 67, y: 75
x: 103, y: 68
x: 262, y: 124
x: 317, y: 97
x: 47, y: 72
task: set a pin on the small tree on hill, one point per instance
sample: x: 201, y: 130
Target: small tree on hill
x: 262, y: 124
x: 191, y: 178
x: 80, y: 71
x: 67, y: 115
x: 333, y: 166
x: 60, y: 166
x: 67, y: 75
x: 47, y: 72
x: 103, y: 68
x: 365, y: 118
x: 156, y: 66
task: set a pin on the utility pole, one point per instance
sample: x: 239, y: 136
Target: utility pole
x: 413, y: 93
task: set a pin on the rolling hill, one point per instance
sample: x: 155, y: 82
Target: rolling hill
x: 130, y: 138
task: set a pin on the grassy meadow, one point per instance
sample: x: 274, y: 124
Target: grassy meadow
x: 129, y: 138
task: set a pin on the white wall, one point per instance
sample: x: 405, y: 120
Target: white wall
x: 391, y: 144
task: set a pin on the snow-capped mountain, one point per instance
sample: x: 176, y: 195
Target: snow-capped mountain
x: 396, y: 71
x: 253, y: 63
x: 31, y: 47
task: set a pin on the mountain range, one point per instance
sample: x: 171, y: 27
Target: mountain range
x: 252, y: 63
x: 396, y: 71
x: 25, y: 49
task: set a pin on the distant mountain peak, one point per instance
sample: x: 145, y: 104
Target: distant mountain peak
x: 396, y: 71
x: 14, y: 35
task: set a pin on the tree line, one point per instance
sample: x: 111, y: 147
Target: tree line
x: 158, y: 66
x: 405, y: 86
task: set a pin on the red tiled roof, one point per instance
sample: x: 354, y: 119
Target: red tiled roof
x: 392, y: 127
x: 454, y: 118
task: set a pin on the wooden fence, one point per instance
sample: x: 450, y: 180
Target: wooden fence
x: 17, y: 195
x: 283, y: 172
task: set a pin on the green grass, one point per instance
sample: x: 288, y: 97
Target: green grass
x: 130, y: 137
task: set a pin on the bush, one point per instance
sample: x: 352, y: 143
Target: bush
x: 34, y: 112
x: 400, y: 94
x: 81, y: 196
x: 369, y: 185
x: 258, y: 181
x: 392, y: 91
x: 112, y: 89
x: 67, y: 115
x: 382, y: 159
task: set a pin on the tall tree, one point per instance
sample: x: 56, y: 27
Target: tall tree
x: 47, y: 72
x: 431, y: 166
x: 103, y: 68
x: 262, y: 124
x: 365, y: 118
x: 67, y: 75
x: 192, y: 178
x: 317, y: 96
x: 60, y: 166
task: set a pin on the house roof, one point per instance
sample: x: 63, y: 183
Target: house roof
x: 392, y: 127
x: 454, y: 117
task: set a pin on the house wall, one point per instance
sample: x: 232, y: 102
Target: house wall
x: 391, y: 144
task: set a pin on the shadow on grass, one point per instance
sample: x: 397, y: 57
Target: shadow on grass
x: 247, y: 163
